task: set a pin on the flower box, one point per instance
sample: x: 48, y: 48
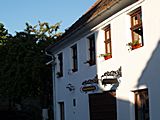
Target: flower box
x: 107, y: 57
x: 136, y: 46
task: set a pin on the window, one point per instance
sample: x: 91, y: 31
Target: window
x: 61, y: 105
x: 74, y: 102
x: 141, y: 105
x: 92, y: 50
x: 74, y: 58
x: 136, y: 29
x: 60, y: 59
x: 108, y: 47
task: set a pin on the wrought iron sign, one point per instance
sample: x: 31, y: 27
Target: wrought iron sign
x: 90, y: 85
x: 116, y: 74
x: 110, y: 79
x: 91, y: 81
x: 90, y: 88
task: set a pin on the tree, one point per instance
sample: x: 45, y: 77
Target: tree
x: 21, y: 67
x: 3, y: 38
x: 23, y: 71
x: 3, y: 34
x: 43, y: 31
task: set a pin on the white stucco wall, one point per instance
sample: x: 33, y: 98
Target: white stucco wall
x: 140, y: 67
x: 84, y: 72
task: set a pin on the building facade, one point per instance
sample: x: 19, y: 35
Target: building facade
x: 106, y: 64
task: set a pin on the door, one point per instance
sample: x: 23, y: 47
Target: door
x: 142, y: 104
x: 103, y: 106
x: 62, y: 115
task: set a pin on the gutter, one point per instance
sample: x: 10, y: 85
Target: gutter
x: 90, y: 20
x: 50, y: 55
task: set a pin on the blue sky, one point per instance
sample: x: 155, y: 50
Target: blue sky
x: 15, y: 13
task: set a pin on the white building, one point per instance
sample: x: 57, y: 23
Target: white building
x: 124, y: 85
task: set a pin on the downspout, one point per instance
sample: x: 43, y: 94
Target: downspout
x: 52, y: 61
x: 54, y: 91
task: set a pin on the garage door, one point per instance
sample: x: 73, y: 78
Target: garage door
x: 103, y: 106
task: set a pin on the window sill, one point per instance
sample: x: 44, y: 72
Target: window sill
x: 59, y: 74
x: 74, y: 70
x: 90, y: 62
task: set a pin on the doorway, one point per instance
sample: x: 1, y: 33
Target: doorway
x: 103, y: 106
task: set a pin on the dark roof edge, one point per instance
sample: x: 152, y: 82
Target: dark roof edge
x: 69, y: 32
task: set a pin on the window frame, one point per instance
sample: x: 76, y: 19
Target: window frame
x: 141, y: 105
x: 108, y: 42
x: 74, y: 58
x: 92, y: 50
x: 60, y: 60
x: 62, y: 110
x: 136, y: 28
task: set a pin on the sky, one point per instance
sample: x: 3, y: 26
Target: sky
x: 15, y: 13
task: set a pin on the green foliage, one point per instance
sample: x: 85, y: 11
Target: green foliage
x: 21, y: 67
x: 44, y: 31
x: 131, y: 44
x: 104, y: 55
x: 3, y: 34
x: 23, y: 72
x: 135, y: 42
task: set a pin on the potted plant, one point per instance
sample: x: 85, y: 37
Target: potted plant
x: 106, y: 55
x: 133, y: 45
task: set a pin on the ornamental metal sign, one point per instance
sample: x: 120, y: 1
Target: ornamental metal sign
x: 90, y: 85
x: 90, y: 88
x: 116, y: 74
x: 91, y: 81
x: 110, y: 80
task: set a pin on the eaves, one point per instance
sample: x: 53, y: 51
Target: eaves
x: 72, y: 35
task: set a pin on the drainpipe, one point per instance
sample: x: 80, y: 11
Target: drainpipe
x: 54, y: 91
x: 45, y: 111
